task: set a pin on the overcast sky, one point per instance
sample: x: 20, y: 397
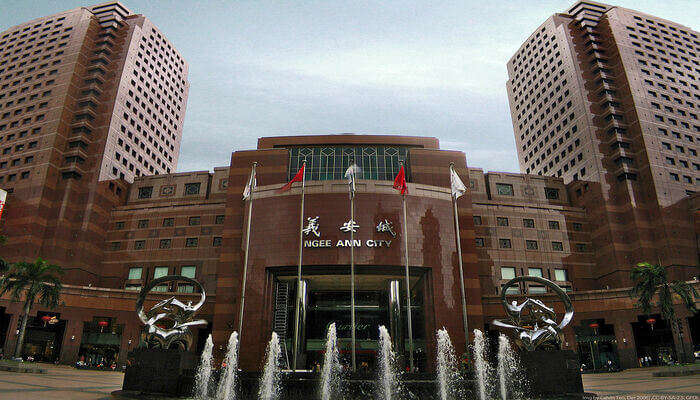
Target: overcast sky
x: 423, y: 68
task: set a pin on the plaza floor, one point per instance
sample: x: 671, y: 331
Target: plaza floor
x: 61, y: 382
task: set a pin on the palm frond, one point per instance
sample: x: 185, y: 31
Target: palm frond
x: 687, y: 293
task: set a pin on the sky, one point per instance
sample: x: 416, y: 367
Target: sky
x: 416, y: 68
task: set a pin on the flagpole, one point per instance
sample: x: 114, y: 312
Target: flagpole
x: 461, y: 269
x: 352, y: 269
x: 247, y: 246
x: 301, y: 243
x: 408, y: 283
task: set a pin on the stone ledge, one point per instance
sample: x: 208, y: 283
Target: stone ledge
x: 21, y: 367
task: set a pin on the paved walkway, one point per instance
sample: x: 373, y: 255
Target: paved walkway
x: 638, y: 383
x: 59, y: 382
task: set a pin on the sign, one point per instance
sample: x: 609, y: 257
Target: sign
x: 313, y: 227
x: 3, y: 197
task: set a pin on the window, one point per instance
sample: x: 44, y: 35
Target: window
x: 159, y: 272
x: 168, y: 221
x: 133, y: 287
x: 216, y: 242
x: 145, y: 192
x: 195, y: 221
x: 135, y: 272
x: 504, y: 243
x: 165, y: 243
x: 507, y: 272
x: 534, y: 272
x: 139, y: 244
x: 477, y: 220
x: 528, y: 223
x: 116, y: 246
x: 502, y: 221
x: 191, y: 242
x: 531, y: 244
x: 557, y: 246
x: 504, y: 189
x: 185, y: 288
x: 192, y: 188
x: 143, y: 223
x: 560, y: 275
x: 554, y: 225
x: 219, y: 219
x: 536, y: 289
x: 580, y: 247
x: 188, y: 271
x: 551, y: 193
x: 512, y: 290
x: 479, y: 242
x: 119, y: 225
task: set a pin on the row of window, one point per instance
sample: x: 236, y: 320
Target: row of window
x: 147, y: 83
x: 527, y: 223
x: 137, y: 273
x: 560, y: 276
x: 166, y: 243
x: 529, y: 245
x: 146, y: 192
x: 506, y: 189
x: 157, y: 67
x: 13, y: 177
x: 169, y: 222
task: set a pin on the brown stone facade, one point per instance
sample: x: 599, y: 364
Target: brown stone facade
x: 194, y: 224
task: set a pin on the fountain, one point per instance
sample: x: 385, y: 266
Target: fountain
x: 507, y: 369
x: 269, y: 388
x: 227, y: 382
x: 481, y: 365
x: 388, y: 384
x: 330, y: 374
x: 447, y: 374
x: 203, y: 378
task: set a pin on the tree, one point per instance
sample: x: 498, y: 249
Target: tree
x: 650, y: 280
x: 35, y: 282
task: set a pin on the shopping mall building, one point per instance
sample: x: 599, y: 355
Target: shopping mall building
x: 193, y: 224
x: 89, y: 140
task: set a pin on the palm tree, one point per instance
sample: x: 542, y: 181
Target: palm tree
x: 650, y: 280
x: 37, y: 281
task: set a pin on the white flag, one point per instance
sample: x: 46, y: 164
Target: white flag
x: 250, y: 186
x: 458, y: 187
x: 350, y: 175
x: 3, y: 197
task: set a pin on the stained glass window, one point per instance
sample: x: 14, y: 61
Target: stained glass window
x: 330, y: 162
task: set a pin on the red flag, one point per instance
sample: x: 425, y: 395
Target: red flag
x: 297, y: 178
x: 400, y: 182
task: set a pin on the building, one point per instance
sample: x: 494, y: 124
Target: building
x: 86, y: 95
x: 116, y: 234
x: 610, y: 96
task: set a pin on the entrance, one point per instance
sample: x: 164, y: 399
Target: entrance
x: 327, y: 300
x: 597, y: 346
x: 4, y: 329
x: 43, y: 337
x: 99, y: 347
x: 653, y: 338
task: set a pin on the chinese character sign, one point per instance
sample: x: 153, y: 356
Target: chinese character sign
x: 312, y: 227
x: 3, y: 197
x: 349, y: 226
x: 385, y: 226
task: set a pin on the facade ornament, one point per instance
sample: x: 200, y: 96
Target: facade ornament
x: 385, y: 226
x: 167, y: 323
x: 533, y: 321
x: 312, y: 227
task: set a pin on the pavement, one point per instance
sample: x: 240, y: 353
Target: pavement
x: 638, y: 383
x: 62, y: 382
x: 59, y: 382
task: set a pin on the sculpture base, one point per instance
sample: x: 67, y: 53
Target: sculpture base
x: 159, y: 371
x: 552, y: 373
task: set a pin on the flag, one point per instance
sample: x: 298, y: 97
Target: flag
x: 3, y: 196
x: 299, y: 177
x: 458, y: 187
x: 250, y: 186
x: 350, y: 173
x: 400, y: 182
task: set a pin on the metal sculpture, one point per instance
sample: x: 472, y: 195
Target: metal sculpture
x: 167, y: 322
x: 534, y: 322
